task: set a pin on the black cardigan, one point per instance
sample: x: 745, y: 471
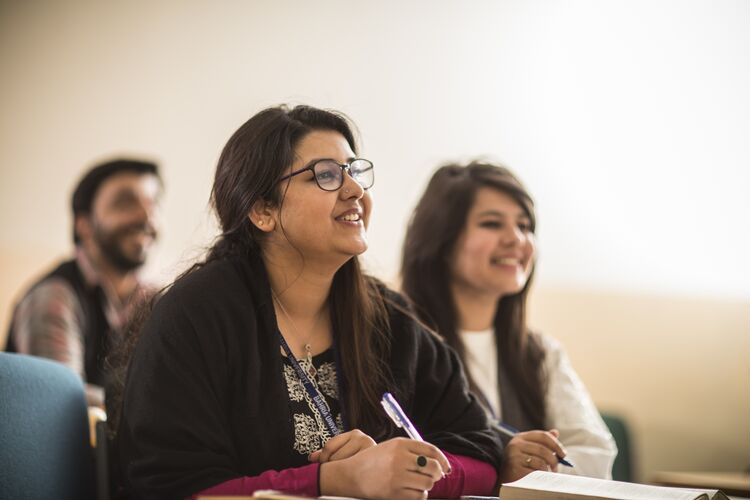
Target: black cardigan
x: 204, y: 400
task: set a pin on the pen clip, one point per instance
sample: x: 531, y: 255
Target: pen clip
x: 391, y: 413
x: 393, y: 409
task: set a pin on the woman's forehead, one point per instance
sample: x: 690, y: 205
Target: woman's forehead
x: 323, y: 144
x: 490, y: 200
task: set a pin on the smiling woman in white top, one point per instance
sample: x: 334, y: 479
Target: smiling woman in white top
x: 467, y: 265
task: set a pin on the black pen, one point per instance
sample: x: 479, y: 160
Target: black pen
x: 511, y: 431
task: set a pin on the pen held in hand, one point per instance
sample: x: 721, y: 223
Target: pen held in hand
x: 394, y: 411
x: 511, y: 431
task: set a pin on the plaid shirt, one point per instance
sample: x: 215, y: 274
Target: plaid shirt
x: 48, y: 320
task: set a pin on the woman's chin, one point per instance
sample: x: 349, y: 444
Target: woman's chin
x: 354, y: 248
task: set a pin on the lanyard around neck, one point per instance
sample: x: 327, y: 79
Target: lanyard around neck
x: 317, y: 398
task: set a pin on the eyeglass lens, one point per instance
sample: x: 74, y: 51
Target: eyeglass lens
x: 330, y: 175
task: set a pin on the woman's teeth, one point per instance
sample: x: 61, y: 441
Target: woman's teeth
x: 350, y: 217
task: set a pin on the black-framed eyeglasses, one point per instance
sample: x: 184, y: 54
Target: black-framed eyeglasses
x: 329, y: 174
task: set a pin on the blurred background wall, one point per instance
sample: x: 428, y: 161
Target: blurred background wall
x: 628, y: 120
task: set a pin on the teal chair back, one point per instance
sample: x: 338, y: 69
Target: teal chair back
x: 623, y: 466
x: 44, y: 432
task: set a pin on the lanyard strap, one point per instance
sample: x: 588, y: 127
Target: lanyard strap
x: 315, y: 395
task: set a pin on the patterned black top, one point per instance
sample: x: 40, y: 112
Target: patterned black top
x: 309, y: 429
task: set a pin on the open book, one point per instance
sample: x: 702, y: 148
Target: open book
x: 541, y: 485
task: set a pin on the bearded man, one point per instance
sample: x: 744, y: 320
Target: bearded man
x: 76, y: 313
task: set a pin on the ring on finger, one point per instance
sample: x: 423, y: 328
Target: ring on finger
x: 421, y: 461
x: 528, y: 460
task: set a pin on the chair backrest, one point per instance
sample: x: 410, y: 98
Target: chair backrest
x: 622, y: 470
x: 44, y: 434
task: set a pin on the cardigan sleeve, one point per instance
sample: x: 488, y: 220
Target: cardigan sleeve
x: 468, y: 476
x: 173, y: 439
x: 570, y: 410
x: 298, y: 481
x: 439, y: 400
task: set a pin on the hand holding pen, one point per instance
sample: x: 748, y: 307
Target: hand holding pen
x: 397, y: 468
x: 529, y: 451
x: 398, y: 416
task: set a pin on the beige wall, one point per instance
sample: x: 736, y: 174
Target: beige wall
x: 628, y: 121
x: 677, y: 369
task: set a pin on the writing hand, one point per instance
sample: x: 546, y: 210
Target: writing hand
x: 530, y: 451
x: 342, y: 446
x: 388, y: 470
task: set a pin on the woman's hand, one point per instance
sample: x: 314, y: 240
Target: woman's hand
x: 342, y: 446
x: 530, y: 451
x: 398, y: 468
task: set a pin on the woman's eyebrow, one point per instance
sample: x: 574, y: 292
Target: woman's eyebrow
x: 491, y: 212
x: 323, y: 158
x: 498, y: 213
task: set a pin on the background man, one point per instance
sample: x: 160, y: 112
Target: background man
x: 75, y: 313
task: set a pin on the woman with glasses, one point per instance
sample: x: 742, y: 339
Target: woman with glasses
x: 264, y: 366
x: 467, y: 264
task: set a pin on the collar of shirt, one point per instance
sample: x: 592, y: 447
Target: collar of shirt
x: 116, y: 310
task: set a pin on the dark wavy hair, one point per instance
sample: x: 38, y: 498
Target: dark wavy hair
x: 250, y: 165
x: 426, y: 268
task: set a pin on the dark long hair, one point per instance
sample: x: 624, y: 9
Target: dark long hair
x: 249, y: 167
x: 426, y: 268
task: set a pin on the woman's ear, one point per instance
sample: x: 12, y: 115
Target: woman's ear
x: 262, y: 216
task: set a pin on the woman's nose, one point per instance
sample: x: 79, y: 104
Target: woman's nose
x: 351, y: 188
x: 512, y: 236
